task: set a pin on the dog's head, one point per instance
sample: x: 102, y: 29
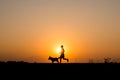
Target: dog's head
x: 49, y: 57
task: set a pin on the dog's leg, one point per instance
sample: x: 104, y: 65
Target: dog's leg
x: 52, y: 61
x: 57, y: 61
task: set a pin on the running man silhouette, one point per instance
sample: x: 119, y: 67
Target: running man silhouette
x: 62, y: 55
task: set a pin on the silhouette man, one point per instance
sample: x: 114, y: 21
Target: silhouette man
x: 62, y: 55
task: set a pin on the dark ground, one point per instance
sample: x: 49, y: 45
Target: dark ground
x: 64, y: 70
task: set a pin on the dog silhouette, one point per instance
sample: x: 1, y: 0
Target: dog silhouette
x: 53, y: 59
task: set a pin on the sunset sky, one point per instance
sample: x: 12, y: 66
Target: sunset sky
x: 32, y: 30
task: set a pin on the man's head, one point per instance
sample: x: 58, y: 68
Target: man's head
x: 61, y: 46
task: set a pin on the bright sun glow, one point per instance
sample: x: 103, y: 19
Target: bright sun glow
x: 58, y: 50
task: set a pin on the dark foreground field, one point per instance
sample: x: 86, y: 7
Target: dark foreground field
x: 76, y: 70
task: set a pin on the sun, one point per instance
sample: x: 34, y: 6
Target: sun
x: 58, y: 50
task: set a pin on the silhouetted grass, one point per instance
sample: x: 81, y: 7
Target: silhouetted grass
x: 67, y: 67
x: 57, y: 69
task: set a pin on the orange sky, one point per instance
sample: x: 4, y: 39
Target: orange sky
x: 33, y: 30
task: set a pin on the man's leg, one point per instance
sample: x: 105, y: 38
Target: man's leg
x: 66, y: 59
x: 60, y: 60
